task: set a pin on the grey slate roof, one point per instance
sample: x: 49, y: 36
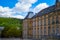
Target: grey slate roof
x: 29, y: 15
x: 45, y: 11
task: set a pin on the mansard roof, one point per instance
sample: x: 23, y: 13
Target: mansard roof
x: 45, y: 11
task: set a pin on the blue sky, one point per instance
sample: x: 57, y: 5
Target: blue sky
x: 11, y: 3
x: 20, y: 8
x: 49, y: 2
x: 8, y: 3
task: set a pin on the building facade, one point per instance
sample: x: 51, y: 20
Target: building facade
x: 44, y: 24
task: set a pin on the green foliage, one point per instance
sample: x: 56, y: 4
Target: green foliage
x: 13, y: 27
x: 11, y: 32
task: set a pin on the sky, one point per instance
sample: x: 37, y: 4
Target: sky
x: 20, y: 8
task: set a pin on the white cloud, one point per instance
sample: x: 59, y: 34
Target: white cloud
x: 17, y: 16
x: 23, y: 5
x: 28, y: 1
x: 40, y: 7
x: 20, y: 7
x: 4, y: 9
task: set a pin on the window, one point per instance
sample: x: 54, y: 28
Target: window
x: 41, y: 30
x: 44, y: 20
x: 34, y: 31
x: 48, y: 21
x: 46, y: 16
x: 34, y: 23
x: 44, y: 30
x: 53, y: 22
x: 26, y: 24
x: 48, y: 30
x: 57, y: 30
x: 39, y: 22
x: 48, y: 27
x: 53, y: 31
x: 59, y: 19
x: 57, y: 22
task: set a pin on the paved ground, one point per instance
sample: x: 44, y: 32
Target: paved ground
x: 13, y: 39
x: 10, y: 39
x: 24, y: 39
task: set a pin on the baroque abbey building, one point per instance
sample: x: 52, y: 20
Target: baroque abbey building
x: 44, y: 24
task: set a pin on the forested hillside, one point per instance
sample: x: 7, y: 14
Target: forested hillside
x: 12, y: 27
